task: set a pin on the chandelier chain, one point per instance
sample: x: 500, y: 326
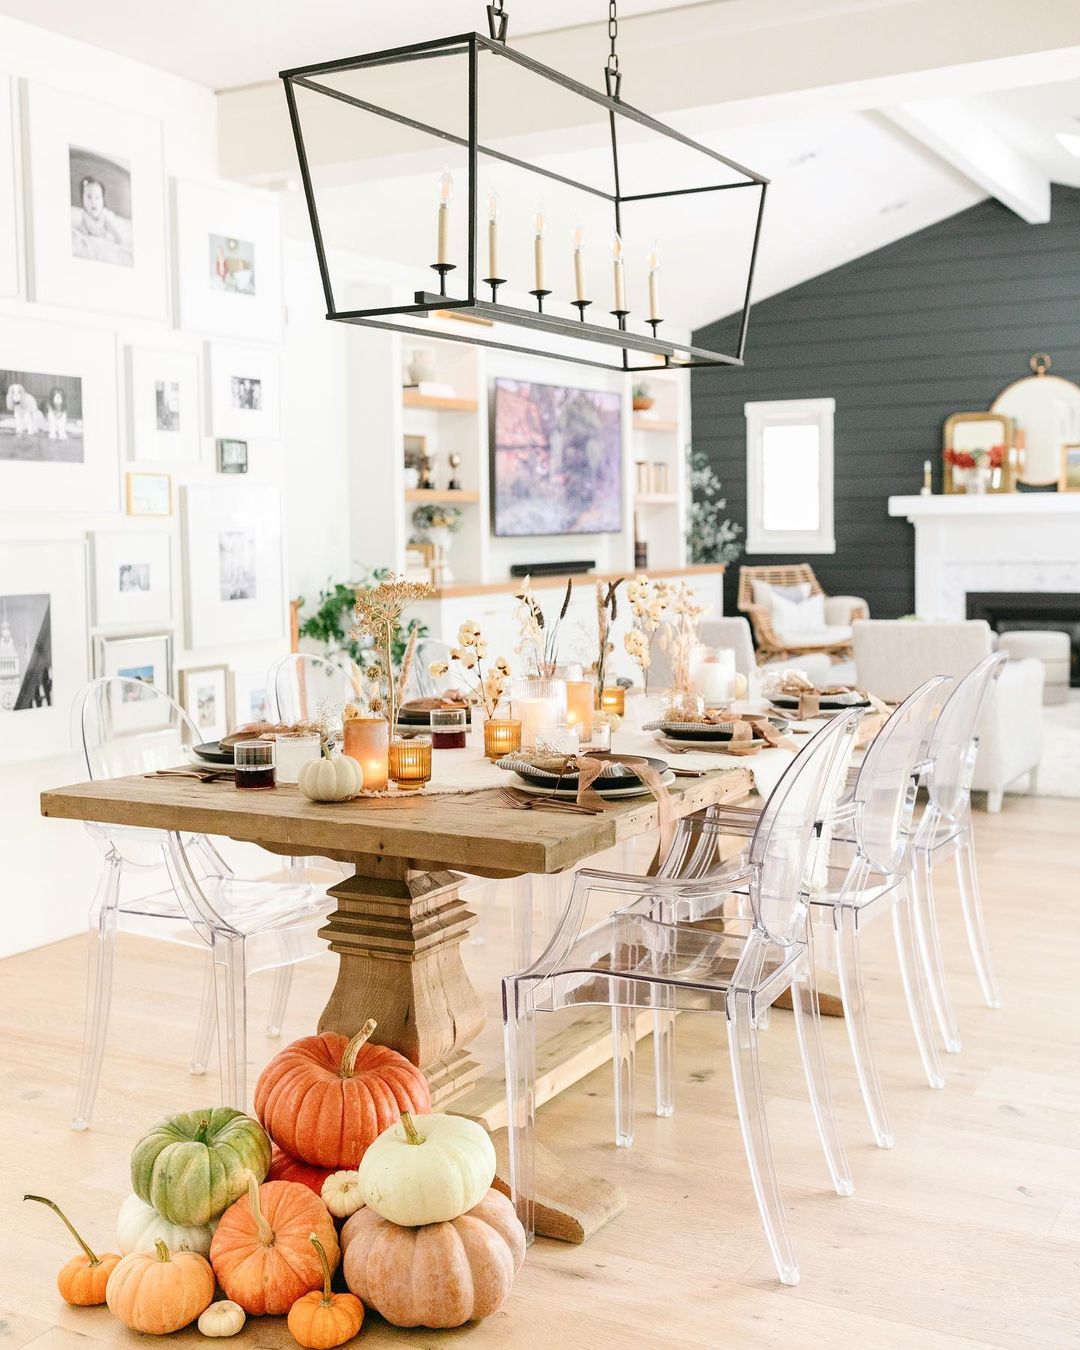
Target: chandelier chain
x: 613, y: 34
x: 498, y: 19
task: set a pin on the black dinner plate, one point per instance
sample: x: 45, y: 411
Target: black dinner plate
x: 421, y: 717
x: 215, y: 753
x: 546, y: 779
x: 827, y: 704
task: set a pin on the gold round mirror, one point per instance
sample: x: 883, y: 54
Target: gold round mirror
x: 1045, y: 409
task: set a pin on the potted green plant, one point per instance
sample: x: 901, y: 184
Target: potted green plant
x: 642, y: 397
x: 438, y: 522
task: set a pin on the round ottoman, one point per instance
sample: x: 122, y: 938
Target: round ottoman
x: 1052, y: 649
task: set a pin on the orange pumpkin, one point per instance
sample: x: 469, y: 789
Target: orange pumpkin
x: 262, y: 1252
x: 324, y: 1099
x: 283, y: 1167
x: 439, y: 1275
x: 81, y: 1280
x: 159, y: 1292
x: 320, y: 1321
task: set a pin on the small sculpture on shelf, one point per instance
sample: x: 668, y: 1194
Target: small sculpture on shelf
x: 454, y: 483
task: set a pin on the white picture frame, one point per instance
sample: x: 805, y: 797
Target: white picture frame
x: 245, y: 392
x: 251, y: 700
x: 206, y: 695
x: 228, y: 260
x: 96, y: 199
x: 145, y: 657
x: 48, y: 579
x: 132, y: 577
x: 9, y: 202
x: 63, y: 458
x: 233, y: 579
x: 164, y: 416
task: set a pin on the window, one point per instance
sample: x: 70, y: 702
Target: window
x: 789, y: 476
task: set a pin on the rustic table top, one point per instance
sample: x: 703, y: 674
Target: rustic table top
x: 469, y: 831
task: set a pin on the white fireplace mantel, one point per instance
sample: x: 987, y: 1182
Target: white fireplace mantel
x: 1027, y: 541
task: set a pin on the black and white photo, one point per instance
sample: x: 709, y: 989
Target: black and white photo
x: 233, y: 582
x: 232, y: 265
x: 26, y: 679
x: 101, y: 215
x: 236, y: 560
x: 163, y: 404
x: 41, y: 420
x: 246, y: 393
x: 134, y: 577
x: 167, y: 404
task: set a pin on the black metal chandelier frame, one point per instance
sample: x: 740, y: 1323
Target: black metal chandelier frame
x: 639, y: 351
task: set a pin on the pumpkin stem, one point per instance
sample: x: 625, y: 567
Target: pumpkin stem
x: 202, y: 1134
x: 91, y: 1256
x: 262, y: 1224
x: 327, y: 1299
x: 348, y: 1059
x: 412, y: 1134
x: 162, y: 1249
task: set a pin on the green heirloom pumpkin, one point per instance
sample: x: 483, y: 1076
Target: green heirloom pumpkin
x: 191, y: 1167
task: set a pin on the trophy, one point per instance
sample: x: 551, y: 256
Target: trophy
x: 454, y: 484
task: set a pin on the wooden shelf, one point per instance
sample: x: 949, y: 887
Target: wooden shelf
x: 654, y: 424
x: 656, y: 499
x: 412, y: 399
x: 439, y: 495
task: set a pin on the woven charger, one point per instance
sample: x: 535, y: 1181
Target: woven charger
x: 520, y: 763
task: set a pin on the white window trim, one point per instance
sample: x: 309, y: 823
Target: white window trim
x: 777, y: 413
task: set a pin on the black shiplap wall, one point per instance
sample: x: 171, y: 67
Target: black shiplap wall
x: 937, y: 323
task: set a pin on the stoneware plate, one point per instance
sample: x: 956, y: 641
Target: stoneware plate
x: 635, y: 789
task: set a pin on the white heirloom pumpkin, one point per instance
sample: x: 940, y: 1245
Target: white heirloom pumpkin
x: 427, y: 1169
x: 341, y: 1194
x: 330, y: 780
x: 224, y: 1318
x: 139, y: 1227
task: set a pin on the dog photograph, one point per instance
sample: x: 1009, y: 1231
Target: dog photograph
x: 101, y: 224
x: 232, y: 265
x: 41, y: 418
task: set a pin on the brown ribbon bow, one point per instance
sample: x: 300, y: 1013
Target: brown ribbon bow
x: 590, y: 767
x: 749, y: 727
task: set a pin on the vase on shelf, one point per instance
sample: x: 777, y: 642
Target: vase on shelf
x: 439, y: 537
x: 979, y: 480
x: 421, y: 366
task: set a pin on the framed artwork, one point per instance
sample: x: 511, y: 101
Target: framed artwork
x: 1069, y: 480
x: 58, y: 448
x: 250, y: 699
x: 132, y: 578
x: 206, y: 697
x: 232, y: 457
x: 43, y: 644
x: 9, y: 242
x: 228, y: 261
x: 232, y: 563
x: 244, y: 392
x: 97, y: 204
x: 163, y: 405
x: 149, y: 494
x: 144, y: 659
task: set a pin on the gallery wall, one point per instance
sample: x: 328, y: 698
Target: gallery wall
x: 939, y: 322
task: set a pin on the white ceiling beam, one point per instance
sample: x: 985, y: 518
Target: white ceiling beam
x: 959, y: 136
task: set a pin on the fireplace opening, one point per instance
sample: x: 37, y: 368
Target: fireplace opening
x: 1007, y: 611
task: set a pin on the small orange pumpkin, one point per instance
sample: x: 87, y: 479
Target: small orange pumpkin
x: 159, y: 1292
x: 262, y: 1252
x: 324, y: 1099
x: 283, y: 1167
x: 320, y: 1321
x: 81, y: 1280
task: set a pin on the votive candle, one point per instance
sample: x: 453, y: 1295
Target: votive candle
x: 410, y: 763
x: 537, y: 704
x: 502, y: 736
x: 613, y: 700
x: 367, y: 740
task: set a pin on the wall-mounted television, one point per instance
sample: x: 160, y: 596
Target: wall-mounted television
x: 556, y: 460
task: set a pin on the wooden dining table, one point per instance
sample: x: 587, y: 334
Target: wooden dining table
x: 399, y: 921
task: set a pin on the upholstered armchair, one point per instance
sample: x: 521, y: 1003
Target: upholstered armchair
x: 788, y: 618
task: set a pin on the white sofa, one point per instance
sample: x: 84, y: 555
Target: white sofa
x: 735, y: 633
x: 894, y: 656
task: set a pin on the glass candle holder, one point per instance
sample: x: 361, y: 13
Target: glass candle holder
x: 613, y: 700
x: 410, y: 763
x: 538, y: 704
x: 564, y: 739
x: 682, y: 707
x: 448, y: 728
x: 502, y: 736
x: 580, y: 697
x: 367, y: 740
x: 294, y: 749
x: 254, y: 762
x: 712, y: 675
x: 601, y: 737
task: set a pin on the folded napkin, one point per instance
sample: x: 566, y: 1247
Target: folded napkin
x: 590, y: 768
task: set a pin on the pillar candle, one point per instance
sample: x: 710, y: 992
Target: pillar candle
x: 446, y: 192
x: 493, y: 233
x: 579, y: 263
x: 538, y: 252
x: 654, y: 283
x: 367, y: 740
x: 579, y: 706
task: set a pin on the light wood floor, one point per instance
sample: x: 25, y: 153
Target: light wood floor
x: 966, y: 1234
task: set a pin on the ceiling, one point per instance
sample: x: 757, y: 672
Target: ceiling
x: 1030, y: 120
x: 247, y: 41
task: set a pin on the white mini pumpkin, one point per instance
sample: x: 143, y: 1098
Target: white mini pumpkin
x: 330, y: 780
x: 224, y: 1318
x: 430, y: 1169
x: 139, y: 1227
x: 341, y: 1194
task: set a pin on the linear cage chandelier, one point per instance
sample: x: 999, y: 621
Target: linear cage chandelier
x: 385, y: 141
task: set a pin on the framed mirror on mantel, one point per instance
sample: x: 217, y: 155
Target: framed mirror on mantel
x: 1045, y: 410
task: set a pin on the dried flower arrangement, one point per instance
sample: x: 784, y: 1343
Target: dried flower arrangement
x: 377, y: 616
x: 485, y: 689
x: 648, y: 601
x: 680, y: 635
x: 606, y: 614
x: 539, y: 645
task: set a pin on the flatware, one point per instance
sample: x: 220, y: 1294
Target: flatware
x: 523, y: 802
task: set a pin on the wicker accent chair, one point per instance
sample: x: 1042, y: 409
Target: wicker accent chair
x: 841, y: 611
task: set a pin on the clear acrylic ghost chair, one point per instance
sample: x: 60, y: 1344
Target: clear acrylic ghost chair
x: 299, y: 683
x: 648, y: 955
x: 945, y: 831
x: 261, y: 924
